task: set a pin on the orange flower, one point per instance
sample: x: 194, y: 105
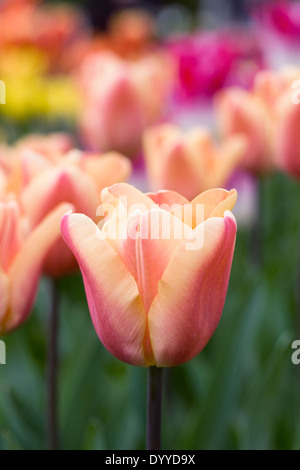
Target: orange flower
x: 156, y: 274
x: 42, y: 181
x: 189, y: 162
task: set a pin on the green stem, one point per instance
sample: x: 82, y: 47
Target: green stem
x: 154, y: 405
x: 52, y: 429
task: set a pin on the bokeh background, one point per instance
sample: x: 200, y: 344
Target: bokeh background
x: 242, y: 390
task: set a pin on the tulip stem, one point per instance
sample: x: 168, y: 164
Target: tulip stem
x: 154, y: 405
x: 52, y: 432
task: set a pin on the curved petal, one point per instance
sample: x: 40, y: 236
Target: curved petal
x: 216, y: 201
x: 191, y: 294
x: 113, y: 298
x: 32, y: 163
x: 4, y: 299
x: 230, y: 154
x: 59, y: 185
x: 118, y: 202
x: 151, y: 240
x: 210, y: 203
x: 10, y: 233
x: 26, y: 267
x: 239, y: 111
x: 107, y: 169
x: 286, y: 135
x: 167, y: 199
x: 130, y: 196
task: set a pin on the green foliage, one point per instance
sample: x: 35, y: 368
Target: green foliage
x: 241, y: 392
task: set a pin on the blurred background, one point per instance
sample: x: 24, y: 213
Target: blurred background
x: 58, y: 60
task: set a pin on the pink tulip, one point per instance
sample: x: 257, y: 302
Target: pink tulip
x: 155, y: 299
x: 242, y: 112
x: 267, y: 115
x: 76, y: 178
x: 21, y: 261
x: 207, y: 61
x: 189, y: 162
x: 285, y: 110
x: 287, y: 136
x: 45, y: 173
x: 119, y: 98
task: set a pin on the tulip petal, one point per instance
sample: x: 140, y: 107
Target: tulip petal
x: 167, y: 199
x: 117, y: 203
x: 132, y: 198
x: 286, y: 136
x: 191, y: 294
x: 114, y: 302
x: 216, y: 201
x: 210, y: 203
x: 107, y: 169
x: 151, y: 241
x: 240, y: 112
x: 10, y: 233
x: 32, y: 163
x: 26, y: 267
x: 59, y: 185
x: 4, y: 299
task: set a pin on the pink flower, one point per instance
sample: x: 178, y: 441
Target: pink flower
x: 189, y: 162
x: 242, y: 112
x: 155, y: 299
x: 42, y: 181
x: 21, y: 260
x: 207, y: 61
x: 119, y: 98
x: 267, y: 115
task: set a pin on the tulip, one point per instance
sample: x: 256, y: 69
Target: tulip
x: 155, y: 299
x: 286, y: 116
x: 42, y: 171
x: 119, y: 99
x: 21, y: 261
x: 267, y: 115
x: 287, y: 136
x: 240, y: 111
x: 76, y: 178
x: 208, y: 61
x: 52, y: 146
x: 189, y: 162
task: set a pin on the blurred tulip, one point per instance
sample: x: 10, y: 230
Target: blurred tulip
x: 287, y: 136
x: 242, y: 112
x: 154, y: 299
x: 53, y: 145
x: 45, y: 173
x: 189, y: 162
x: 282, y: 87
x: 207, y: 61
x: 21, y: 260
x: 120, y: 98
x: 268, y: 115
x: 75, y: 178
